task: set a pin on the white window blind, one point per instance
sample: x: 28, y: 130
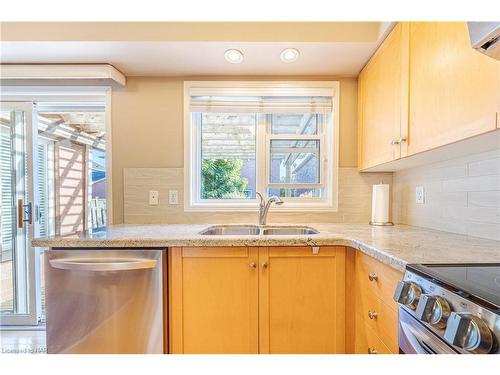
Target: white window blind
x: 42, y: 171
x: 261, y: 104
x: 6, y: 206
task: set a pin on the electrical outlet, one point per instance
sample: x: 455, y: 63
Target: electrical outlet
x: 173, y: 197
x: 419, y: 195
x: 153, y: 198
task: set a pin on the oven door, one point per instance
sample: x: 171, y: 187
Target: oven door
x: 415, y: 338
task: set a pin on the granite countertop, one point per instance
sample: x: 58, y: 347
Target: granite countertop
x: 396, y: 246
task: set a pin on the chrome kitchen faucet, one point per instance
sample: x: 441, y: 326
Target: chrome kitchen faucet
x: 264, y: 206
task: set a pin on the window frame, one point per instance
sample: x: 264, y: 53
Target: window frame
x: 329, y: 150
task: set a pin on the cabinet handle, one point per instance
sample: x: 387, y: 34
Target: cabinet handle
x: 253, y: 265
x: 372, y: 276
x: 398, y: 141
x: 372, y: 314
x: 264, y: 265
x: 372, y: 351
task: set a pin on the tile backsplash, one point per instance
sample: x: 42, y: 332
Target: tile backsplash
x: 461, y: 196
x: 354, y: 200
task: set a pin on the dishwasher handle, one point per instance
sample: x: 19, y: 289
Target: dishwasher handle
x: 103, y: 264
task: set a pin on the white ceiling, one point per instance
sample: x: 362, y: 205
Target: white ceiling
x: 165, y: 58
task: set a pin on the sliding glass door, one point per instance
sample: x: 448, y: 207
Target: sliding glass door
x: 18, y: 219
x: 53, y: 181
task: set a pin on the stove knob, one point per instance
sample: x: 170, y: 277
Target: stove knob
x: 407, y: 293
x: 433, y: 310
x: 468, y: 332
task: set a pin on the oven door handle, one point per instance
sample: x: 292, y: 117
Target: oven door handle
x: 419, y: 347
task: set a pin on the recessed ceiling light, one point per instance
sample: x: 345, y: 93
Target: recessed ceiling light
x: 233, y: 56
x: 289, y: 55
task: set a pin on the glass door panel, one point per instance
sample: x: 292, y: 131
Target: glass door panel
x: 17, y: 260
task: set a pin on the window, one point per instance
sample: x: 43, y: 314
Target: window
x: 274, y: 138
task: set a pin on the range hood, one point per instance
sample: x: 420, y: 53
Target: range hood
x: 485, y: 37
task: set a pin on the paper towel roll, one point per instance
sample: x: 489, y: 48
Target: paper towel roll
x: 380, y: 205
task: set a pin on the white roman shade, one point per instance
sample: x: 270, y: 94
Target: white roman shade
x: 261, y: 99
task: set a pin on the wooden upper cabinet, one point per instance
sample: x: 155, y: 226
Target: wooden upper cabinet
x: 302, y: 300
x: 213, y: 300
x: 382, y: 101
x: 454, y: 90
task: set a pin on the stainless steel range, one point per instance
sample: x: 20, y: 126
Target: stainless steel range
x: 449, y: 308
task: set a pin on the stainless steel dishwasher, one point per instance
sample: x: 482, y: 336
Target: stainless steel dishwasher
x: 104, y: 301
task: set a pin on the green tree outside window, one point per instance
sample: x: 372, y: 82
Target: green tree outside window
x: 221, y: 179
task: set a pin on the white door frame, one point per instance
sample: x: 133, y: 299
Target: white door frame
x: 24, y: 239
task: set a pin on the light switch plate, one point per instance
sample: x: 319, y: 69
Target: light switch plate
x: 173, y: 197
x: 153, y: 197
x: 419, y: 195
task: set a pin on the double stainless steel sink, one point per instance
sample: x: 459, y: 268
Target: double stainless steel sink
x: 249, y: 230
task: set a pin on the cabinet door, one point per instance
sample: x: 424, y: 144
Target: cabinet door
x: 382, y: 101
x: 454, y: 90
x: 213, y: 300
x: 301, y: 300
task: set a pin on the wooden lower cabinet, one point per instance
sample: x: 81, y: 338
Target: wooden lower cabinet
x: 375, y: 313
x: 257, y: 300
x: 380, y: 317
x: 213, y: 300
x: 280, y: 300
x: 302, y: 300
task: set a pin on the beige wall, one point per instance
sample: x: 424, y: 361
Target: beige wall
x: 147, y: 118
x: 193, y: 31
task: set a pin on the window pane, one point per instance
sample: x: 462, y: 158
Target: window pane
x: 295, y: 193
x: 303, y: 123
x: 228, y: 147
x: 294, y: 161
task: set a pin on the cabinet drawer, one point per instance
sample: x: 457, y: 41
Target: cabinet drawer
x: 384, y: 320
x: 384, y: 281
x: 367, y: 341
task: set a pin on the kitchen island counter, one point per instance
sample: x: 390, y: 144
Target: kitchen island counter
x: 396, y: 246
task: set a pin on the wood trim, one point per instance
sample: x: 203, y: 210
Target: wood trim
x: 166, y: 302
x: 340, y: 265
x: 350, y: 300
x: 360, y: 114
x: 263, y: 302
x: 302, y: 251
x: 222, y: 252
x: 175, y: 301
x: 254, y: 305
